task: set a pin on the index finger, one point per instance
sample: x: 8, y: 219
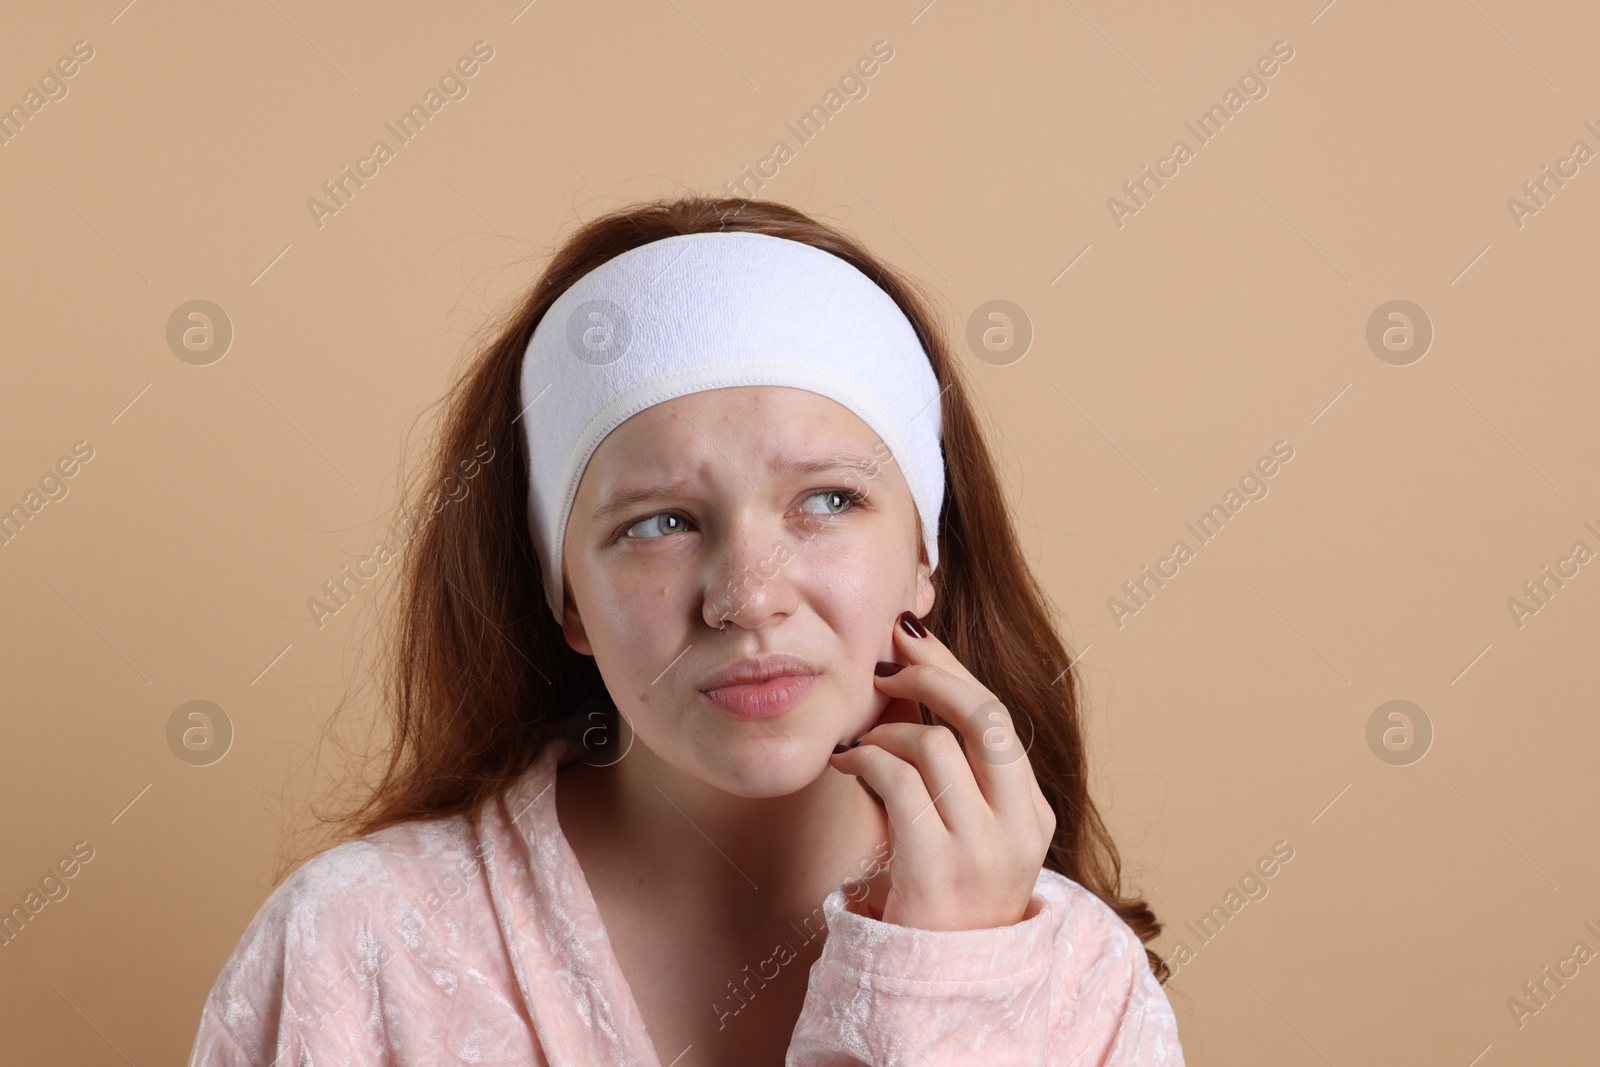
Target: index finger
x: 997, y: 733
x: 994, y: 753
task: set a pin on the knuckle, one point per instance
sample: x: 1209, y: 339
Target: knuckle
x: 937, y: 742
x: 903, y: 776
x: 1049, y: 819
x: 992, y: 710
x: 991, y: 715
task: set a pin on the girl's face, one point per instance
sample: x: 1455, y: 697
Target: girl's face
x: 740, y: 523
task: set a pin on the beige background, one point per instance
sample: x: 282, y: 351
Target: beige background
x: 1228, y: 314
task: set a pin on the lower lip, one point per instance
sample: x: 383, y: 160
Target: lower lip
x: 764, y: 701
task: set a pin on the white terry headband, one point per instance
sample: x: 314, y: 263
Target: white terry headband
x: 708, y: 311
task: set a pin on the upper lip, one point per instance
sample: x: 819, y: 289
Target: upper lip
x: 753, y: 670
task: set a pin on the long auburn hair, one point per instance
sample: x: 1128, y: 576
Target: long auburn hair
x: 476, y: 675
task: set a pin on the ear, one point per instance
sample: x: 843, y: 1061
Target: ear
x: 572, y: 626
x: 925, y: 591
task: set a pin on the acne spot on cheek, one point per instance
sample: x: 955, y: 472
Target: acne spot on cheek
x: 644, y: 698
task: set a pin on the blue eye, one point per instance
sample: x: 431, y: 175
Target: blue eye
x: 849, y: 496
x: 660, y: 520
x: 670, y: 522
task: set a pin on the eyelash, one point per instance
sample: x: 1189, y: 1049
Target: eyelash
x: 856, y: 500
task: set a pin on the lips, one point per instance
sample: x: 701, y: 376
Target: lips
x: 755, y: 670
x: 761, y: 687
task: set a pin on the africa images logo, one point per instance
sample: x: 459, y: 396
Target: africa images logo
x: 1252, y: 85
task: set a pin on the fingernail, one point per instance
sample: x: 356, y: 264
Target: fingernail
x: 912, y: 626
x: 840, y: 747
x: 884, y: 669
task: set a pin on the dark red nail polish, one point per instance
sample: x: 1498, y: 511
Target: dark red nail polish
x: 912, y: 626
x: 884, y: 669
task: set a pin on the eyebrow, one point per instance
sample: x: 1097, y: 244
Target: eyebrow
x: 839, y: 462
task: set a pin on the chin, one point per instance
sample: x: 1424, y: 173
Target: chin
x: 776, y: 768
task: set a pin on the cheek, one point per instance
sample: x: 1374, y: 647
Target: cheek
x: 633, y: 625
x: 861, y: 592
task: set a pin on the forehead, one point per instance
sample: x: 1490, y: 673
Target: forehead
x: 740, y: 426
x: 725, y: 436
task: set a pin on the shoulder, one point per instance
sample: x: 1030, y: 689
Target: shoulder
x: 320, y: 938
x: 357, y: 876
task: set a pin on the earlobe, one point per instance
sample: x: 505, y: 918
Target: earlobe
x: 925, y: 590
x: 572, y: 629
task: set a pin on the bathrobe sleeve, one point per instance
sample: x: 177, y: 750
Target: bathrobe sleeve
x: 1069, y: 984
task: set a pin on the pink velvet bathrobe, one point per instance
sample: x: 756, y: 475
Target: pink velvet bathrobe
x: 479, y: 942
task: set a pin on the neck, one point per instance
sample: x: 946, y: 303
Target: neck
x: 756, y: 861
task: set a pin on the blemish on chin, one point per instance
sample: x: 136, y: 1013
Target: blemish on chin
x: 644, y: 698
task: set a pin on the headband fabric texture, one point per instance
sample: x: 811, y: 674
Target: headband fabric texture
x: 704, y: 311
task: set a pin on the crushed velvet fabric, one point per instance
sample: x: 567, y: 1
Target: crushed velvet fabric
x: 477, y: 941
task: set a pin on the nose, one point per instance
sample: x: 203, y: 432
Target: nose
x: 748, y: 584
